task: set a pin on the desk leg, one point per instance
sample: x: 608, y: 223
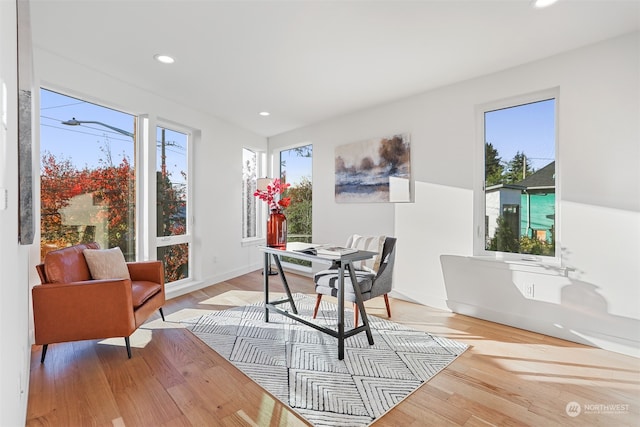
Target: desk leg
x: 265, y: 281
x: 285, y: 284
x: 360, y: 304
x: 341, y: 313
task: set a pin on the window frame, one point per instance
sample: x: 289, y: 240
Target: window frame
x: 261, y: 210
x: 479, y: 217
x: 136, y: 163
x: 277, y: 172
x: 144, y: 163
x: 186, y: 238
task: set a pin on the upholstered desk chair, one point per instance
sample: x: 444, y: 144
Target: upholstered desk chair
x: 372, y: 283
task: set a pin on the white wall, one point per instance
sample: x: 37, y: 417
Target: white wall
x: 14, y: 258
x: 594, y: 298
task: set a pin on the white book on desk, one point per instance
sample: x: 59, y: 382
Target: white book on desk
x: 334, y: 251
x: 305, y: 248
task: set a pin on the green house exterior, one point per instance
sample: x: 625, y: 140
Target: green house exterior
x: 538, y: 204
x: 537, y: 214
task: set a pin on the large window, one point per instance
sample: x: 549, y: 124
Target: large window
x: 520, y: 176
x: 173, y: 235
x: 89, y: 183
x: 87, y: 177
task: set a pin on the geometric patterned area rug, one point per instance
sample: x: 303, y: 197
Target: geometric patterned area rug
x: 299, y: 365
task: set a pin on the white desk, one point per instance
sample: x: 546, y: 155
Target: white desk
x: 343, y: 263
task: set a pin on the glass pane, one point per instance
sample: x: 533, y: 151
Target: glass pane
x: 249, y: 211
x: 87, y: 174
x: 520, y: 179
x: 296, y: 169
x: 176, y: 261
x: 171, y: 175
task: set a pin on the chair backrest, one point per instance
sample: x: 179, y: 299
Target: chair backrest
x: 66, y: 265
x: 388, y: 256
x: 383, y: 282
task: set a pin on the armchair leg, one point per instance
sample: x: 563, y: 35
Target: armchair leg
x: 126, y: 340
x: 315, y: 309
x: 386, y: 302
x: 162, y: 314
x: 44, y: 352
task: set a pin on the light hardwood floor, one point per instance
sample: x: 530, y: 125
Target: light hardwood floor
x: 508, y: 376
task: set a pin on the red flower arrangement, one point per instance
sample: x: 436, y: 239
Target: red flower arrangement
x: 269, y: 195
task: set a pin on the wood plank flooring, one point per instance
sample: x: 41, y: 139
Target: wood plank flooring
x: 508, y: 377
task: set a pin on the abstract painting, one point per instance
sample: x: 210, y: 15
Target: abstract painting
x: 374, y: 170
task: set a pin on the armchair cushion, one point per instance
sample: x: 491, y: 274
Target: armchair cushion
x: 142, y: 291
x: 67, y: 265
x: 106, y: 263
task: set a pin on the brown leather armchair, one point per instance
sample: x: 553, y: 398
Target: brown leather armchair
x: 70, y: 305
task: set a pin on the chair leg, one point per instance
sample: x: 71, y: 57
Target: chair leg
x: 386, y: 302
x: 126, y: 340
x: 356, y: 314
x: 315, y: 309
x: 44, y: 352
x: 162, y: 314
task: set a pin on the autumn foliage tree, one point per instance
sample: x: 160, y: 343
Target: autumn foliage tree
x: 109, y: 200
x: 111, y: 189
x: 171, y: 221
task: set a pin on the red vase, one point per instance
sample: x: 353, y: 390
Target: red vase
x: 277, y: 230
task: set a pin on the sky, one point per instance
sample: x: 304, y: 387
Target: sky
x: 87, y: 144
x: 297, y: 167
x: 528, y: 128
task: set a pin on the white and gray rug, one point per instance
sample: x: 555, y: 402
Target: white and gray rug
x: 300, y: 367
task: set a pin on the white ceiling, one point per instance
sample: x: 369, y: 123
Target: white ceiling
x: 308, y: 61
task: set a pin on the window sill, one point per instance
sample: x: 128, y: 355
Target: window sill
x: 253, y: 241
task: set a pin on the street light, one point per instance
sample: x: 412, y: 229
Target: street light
x: 74, y: 122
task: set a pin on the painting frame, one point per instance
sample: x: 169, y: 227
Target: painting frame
x: 26, y: 222
x: 376, y: 170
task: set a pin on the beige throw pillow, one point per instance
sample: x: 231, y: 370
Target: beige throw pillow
x: 368, y: 243
x: 106, y: 263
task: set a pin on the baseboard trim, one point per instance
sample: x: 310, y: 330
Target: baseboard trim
x: 584, y: 336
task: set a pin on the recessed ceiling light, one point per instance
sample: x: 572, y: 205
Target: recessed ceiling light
x: 265, y: 113
x: 165, y: 59
x: 539, y: 4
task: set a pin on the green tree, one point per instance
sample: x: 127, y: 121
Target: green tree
x: 535, y: 246
x: 493, y: 168
x: 299, y: 216
x: 299, y: 211
x: 518, y: 168
x: 504, y: 240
